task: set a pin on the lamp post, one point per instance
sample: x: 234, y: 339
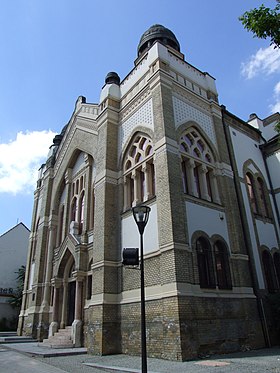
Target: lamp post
x: 141, y: 216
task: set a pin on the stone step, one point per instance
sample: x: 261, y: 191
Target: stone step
x: 8, y: 334
x: 63, y: 331
x: 66, y: 332
x: 16, y: 339
x: 60, y: 339
x: 57, y: 345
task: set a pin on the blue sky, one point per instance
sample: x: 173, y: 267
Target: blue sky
x: 53, y: 51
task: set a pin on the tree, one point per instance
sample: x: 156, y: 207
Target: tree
x: 15, y: 302
x: 264, y: 23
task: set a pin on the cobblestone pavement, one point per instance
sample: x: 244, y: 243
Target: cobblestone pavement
x: 261, y: 361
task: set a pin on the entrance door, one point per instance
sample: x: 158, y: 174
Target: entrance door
x: 71, y: 302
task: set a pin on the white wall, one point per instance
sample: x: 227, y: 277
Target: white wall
x: 266, y: 232
x: 207, y: 220
x: 267, y: 131
x: 130, y: 233
x: 253, y: 237
x: 246, y: 148
x: 273, y: 163
x: 13, y: 253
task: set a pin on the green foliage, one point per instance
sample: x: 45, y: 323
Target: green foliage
x: 264, y: 23
x: 15, y: 302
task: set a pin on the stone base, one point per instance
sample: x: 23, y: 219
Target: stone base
x: 76, y: 334
x: 53, y: 328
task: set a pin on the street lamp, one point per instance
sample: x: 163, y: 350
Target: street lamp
x: 141, y: 216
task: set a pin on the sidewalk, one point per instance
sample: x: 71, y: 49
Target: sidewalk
x: 78, y: 361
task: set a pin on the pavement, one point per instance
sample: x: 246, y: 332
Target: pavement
x: 33, y: 357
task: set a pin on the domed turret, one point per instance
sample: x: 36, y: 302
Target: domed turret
x: 112, y: 78
x: 157, y: 33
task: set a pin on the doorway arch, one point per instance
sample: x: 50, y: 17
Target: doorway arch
x: 66, y: 272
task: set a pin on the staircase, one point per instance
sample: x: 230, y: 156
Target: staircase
x: 12, y: 337
x: 60, y: 339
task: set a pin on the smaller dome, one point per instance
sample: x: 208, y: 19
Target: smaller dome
x: 112, y: 78
x: 157, y: 33
x: 57, y: 139
x: 253, y: 116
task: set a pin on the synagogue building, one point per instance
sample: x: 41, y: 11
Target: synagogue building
x: 158, y: 137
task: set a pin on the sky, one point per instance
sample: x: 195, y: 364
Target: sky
x: 56, y: 50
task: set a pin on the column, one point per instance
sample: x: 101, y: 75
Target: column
x: 68, y: 180
x: 54, y: 324
x: 78, y: 299
x: 134, y: 177
x: 88, y: 192
x: 190, y: 178
x: 64, y: 305
x: 203, y: 183
x: 214, y: 186
x: 146, y: 169
x: 77, y: 324
x: 126, y: 193
x: 46, y: 296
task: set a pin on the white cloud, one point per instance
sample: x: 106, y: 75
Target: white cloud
x: 276, y: 106
x: 265, y: 61
x: 20, y: 160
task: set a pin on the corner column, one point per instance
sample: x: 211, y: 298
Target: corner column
x: 56, y: 298
x: 77, y: 323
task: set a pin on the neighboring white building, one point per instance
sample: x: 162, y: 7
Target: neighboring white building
x: 13, y: 252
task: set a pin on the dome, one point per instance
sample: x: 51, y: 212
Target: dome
x: 154, y: 33
x: 57, y: 140
x: 112, y: 78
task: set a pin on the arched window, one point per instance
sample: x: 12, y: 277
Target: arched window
x: 82, y: 175
x: 269, y: 271
x: 77, y: 187
x: 139, y: 172
x: 81, y: 212
x: 262, y: 197
x: 60, y: 224
x: 92, y: 209
x: 198, y: 169
x: 276, y: 260
x: 34, y: 241
x: 222, y: 266
x: 252, y: 192
x: 205, y: 263
x: 71, y: 270
x: 74, y: 209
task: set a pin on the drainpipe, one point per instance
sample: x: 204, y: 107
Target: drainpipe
x: 243, y: 219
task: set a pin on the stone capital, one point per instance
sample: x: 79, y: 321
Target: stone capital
x: 79, y: 275
x: 56, y: 282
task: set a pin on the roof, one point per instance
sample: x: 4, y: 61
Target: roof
x: 157, y: 33
x: 16, y: 226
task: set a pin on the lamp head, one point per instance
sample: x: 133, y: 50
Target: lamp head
x: 141, y: 216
